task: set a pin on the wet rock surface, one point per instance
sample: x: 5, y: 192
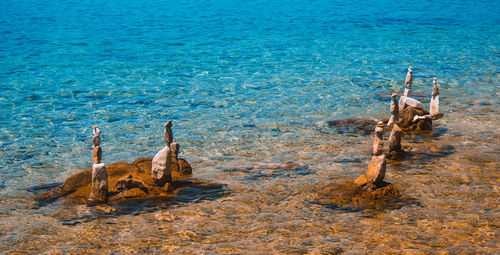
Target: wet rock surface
x: 125, y: 181
x: 407, y: 116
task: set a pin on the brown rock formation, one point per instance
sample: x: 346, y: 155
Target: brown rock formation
x: 376, y: 169
x: 78, y: 186
x: 407, y: 119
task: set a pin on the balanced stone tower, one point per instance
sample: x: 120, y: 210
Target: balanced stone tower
x: 161, y: 171
x: 99, y: 192
x: 394, y: 111
x: 406, y: 98
x: 376, y: 169
x: 434, y: 106
x: 408, y: 82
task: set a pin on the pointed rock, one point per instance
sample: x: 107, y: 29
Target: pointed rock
x: 395, y: 139
x: 394, y: 111
x: 376, y: 169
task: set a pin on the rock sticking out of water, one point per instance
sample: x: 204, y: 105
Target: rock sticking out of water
x: 120, y: 186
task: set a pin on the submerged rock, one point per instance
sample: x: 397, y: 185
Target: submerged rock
x: 364, y: 125
x: 353, y: 197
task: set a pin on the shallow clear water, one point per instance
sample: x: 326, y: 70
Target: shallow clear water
x: 249, y: 85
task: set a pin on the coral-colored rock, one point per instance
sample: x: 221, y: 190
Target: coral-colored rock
x: 362, y: 180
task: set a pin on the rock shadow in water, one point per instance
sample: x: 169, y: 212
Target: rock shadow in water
x: 187, y: 194
x: 364, y: 126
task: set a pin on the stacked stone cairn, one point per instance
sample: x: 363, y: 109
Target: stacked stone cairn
x: 161, y: 165
x: 99, y: 192
x: 395, y: 148
x: 411, y: 110
x: 376, y: 169
x: 434, y: 105
x: 406, y: 99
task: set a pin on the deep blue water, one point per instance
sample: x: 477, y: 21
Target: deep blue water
x: 233, y: 75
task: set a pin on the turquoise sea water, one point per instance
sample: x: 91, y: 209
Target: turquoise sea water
x: 241, y: 80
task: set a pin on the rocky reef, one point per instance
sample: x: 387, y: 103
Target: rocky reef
x: 149, y: 177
